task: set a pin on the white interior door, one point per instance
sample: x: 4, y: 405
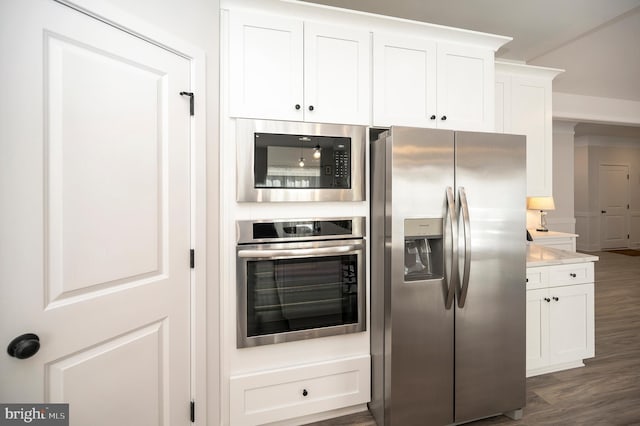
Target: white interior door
x: 614, y: 203
x: 95, y: 218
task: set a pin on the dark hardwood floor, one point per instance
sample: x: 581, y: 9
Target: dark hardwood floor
x: 604, y: 392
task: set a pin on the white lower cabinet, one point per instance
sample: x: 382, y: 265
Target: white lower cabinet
x: 287, y: 393
x: 560, y: 317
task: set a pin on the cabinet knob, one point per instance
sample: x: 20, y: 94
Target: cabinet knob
x: 311, y: 108
x: 297, y: 106
x: 433, y: 117
x: 546, y: 299
x: 573, y: 275
x: 304, y: 392
x: 556, y: 298
x: 443, y: 118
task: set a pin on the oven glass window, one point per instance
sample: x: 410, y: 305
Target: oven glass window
x: 298, y: 161
x: 299, y: 294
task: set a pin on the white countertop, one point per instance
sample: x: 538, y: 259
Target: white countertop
x: 543, y: 256
x: 536, y: 235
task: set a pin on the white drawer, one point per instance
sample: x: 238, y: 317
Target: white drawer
x: 287, y: 393
x: 537, y: 278
x: 575, y: 273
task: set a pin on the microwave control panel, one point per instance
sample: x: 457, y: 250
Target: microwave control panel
x: 342, y: 167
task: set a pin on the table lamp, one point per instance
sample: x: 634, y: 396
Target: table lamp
x: 542, y: 204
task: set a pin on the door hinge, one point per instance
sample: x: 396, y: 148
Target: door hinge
x: 628, y: 236
x: 191, y: 96
x: 627, y: 206
x: 192, y: 258
x: 193, y: 411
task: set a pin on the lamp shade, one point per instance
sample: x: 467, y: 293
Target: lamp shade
x: 540, y: 203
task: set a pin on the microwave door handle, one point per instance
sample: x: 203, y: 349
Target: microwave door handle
x: 450, y: 278
x: 262, y: 254
x: 464, y: 209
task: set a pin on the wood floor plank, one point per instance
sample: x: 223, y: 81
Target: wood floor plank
x: 604, y: 392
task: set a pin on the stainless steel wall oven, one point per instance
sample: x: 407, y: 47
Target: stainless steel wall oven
x: 293, y: 161
x: 299, y: 279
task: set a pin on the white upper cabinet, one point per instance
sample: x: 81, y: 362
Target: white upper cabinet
x: 465, y: 87
x: 421, y: 82
x: 523, y: 106
x: 404, y: 81
x: 265, y: 66
x: 286, y: 69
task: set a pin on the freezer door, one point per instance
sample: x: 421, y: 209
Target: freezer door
x: 490, y: 310
x: 421, y: 327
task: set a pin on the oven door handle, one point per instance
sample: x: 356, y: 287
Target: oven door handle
x: 261, y: 254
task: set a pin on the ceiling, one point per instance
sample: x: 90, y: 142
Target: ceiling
x: 594, y: 41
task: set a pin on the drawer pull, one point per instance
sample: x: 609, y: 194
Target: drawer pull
x: 304, y: 392
x: 573, y: 275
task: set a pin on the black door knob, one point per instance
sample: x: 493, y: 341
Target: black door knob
x: 304, y: 392
x: 24, y: 346
x: 603, y: 211
x: 444, y: 117
x: 555, y: 298
x: 297, y: 106
x: 310, y: 107
x: 546, y: 299
x: 433, y: 117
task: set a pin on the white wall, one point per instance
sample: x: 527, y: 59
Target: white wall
x: 591, y: 152
x: 562, y: 218
x: 197, y: 22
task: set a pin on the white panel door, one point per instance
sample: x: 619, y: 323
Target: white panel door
x: 336, y: 74
x: 466, y: 85
x: 265, y: 66
x: 571, y: 319
x: 537, y: 328
x: 614, y: 204
x: 95, y: 218
x: 531, y: 116
x: 404, y: 81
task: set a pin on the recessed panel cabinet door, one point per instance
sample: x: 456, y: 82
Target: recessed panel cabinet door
x: 265, y: 66
x: 537, y: 328
x: 95, y: 218
x: 336, y: 74
x: 404, y: 81
x: 466, y: 85
x: 571, y: 334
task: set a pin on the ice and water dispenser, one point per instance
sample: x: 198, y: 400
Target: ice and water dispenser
x: 423, y: 249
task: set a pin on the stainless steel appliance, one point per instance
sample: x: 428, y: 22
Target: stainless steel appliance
x: 299, y: 279
x: 448, y: 276
x: 294, y: 161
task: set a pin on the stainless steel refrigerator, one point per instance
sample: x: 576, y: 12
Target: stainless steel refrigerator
x: 448, y: 301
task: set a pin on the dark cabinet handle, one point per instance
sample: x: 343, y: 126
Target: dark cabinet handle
x: 546, y: 299
x: 443, y: 118
x: 573, y: 275
x: 433, y: 117
x: 311, y: 108
x: 24, y: 346
x: 304, y: 392
x: 556, y: 298
x: 297, y: 106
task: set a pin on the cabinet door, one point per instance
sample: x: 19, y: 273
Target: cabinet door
x: 465, y: 88
x: 571, y: 323
x: 531, y: 116
x: 537, y: 328
x: 404, y: 81
x: 503, y: 103
x: 265, y: 66
x: 337, y: 74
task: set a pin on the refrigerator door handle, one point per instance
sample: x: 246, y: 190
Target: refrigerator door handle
x: 464, y: 210
x: 450, y: 289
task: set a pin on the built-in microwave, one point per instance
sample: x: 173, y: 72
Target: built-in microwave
x: 294, y: 161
